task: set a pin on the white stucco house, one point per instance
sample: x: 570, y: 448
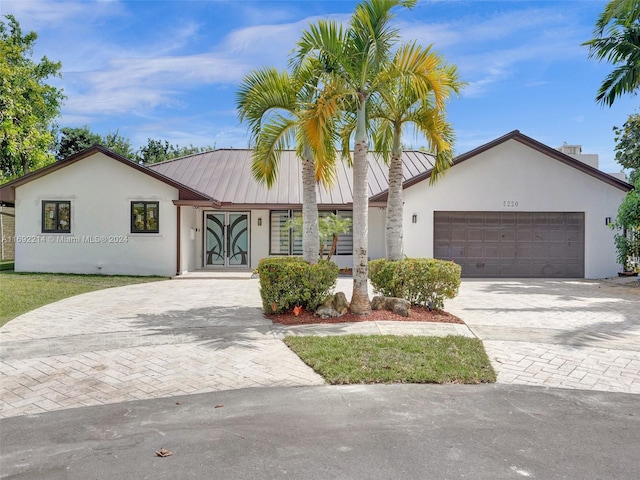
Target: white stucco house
x: 510, y: 208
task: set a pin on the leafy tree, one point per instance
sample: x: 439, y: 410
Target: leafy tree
x: 154, y: 151
x: 119, y: 144
x: 177, y: 151
x: 279, y: 110
x: 617, y: 40
x: 28, y: 105
x: 628, y: 145
x: 356, y: 58
x: 73, y: 140
x: 627, y: 238
x: 160, y: 150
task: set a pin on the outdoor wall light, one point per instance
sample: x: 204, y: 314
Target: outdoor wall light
x: 414, y: 218
x: 259, y: 221
x: 607, y: 220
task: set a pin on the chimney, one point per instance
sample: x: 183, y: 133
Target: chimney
x: 575, y: 151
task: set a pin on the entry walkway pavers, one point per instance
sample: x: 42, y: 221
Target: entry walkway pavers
x: 200, y: 335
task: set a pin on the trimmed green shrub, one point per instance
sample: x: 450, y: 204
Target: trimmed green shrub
x: 421, y: 281
x: 289, y: 281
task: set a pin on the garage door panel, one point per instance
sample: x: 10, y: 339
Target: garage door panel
x: 540, y: 250
x: 576, y: 219
x: 512, y: 244
x: 492, y: 235
x: 475, y: 235
x: 458, y: 235
x: 575, y: 270
x: 524, y: 218
x: 540, y: 235
x: 524, y: 269
x: 507, y: 235
x: 524, y: 235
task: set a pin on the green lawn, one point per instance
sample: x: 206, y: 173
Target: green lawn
x: 22, y: 292
x: 395, y: 359
x: 6, y: 264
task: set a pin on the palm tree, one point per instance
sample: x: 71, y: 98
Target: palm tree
x: 617, y: 40
x: 419, y: 83
x: 354, y: 59
x: 276, y: 106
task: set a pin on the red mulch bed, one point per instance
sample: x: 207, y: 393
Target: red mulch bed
x: 418, y: 314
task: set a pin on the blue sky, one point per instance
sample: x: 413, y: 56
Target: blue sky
x: 167, y: 69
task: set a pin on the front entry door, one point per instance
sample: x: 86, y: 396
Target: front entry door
x: 226, y: 239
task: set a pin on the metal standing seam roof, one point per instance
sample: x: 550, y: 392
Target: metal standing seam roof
x: 225, y: 175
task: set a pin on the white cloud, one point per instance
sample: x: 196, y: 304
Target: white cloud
x: 488, y: 49
x: 38, y: 14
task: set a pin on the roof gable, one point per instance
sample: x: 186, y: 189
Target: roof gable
x: 531, y: 143
x: 7, y: 191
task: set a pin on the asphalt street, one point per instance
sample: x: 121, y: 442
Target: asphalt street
x: 335, y: 432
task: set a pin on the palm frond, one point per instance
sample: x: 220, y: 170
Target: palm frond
x: 274, y: 137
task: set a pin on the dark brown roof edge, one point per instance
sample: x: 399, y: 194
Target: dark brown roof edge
x: 7, y: 191
x: 530, y: 142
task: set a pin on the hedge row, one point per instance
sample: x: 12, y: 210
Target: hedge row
x: 421, y: 281
x: 289, y: 281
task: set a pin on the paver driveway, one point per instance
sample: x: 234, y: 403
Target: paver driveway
x: 191, y: 336
x: 557, y: 333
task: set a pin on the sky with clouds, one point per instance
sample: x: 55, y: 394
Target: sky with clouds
x: 169, y: 69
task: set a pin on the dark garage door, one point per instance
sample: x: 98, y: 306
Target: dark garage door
x: 512, y: 244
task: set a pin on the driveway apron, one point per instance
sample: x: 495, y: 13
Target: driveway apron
x: 579, y: 334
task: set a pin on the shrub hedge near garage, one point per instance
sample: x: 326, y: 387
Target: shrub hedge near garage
x: 421, y: 281
x: 286, y: 282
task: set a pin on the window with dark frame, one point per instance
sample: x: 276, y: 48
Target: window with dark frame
x: 56, y: 216
x: 144, y: 217
x: 285, y: 240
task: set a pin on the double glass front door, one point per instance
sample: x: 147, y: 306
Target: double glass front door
x: 226, y: 239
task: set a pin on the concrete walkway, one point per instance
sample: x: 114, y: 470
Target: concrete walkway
x: 201, y: 335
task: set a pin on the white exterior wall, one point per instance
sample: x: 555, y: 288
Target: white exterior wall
x: 188, y: 239
x: 513, y: 172
x: 100, y: 190
x: 259, y: 247
x: 377, y: 241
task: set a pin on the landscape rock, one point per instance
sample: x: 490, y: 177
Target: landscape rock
x: 340, y: 303
x: 393, y: 304
x: 326, y: 312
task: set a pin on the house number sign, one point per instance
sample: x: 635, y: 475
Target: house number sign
x: 510, y: 203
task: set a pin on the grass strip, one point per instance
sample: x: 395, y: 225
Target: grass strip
x: 23, y: 292
x: 348, y: 359
x: 6, y: 264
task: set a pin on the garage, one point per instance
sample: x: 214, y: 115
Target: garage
x: 512, y: 244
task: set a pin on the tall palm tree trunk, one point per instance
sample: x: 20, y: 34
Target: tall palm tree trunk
x: 310, y: 233
x: 394, y: 232
x: 360, y: 297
